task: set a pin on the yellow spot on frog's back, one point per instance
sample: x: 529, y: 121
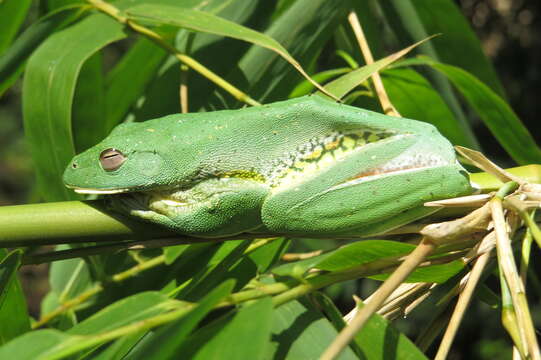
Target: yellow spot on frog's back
x: 151, y: 130
x: 315, y: 154
x: 373, y: 138
x: 348, y: 143
x: 243, y: 174
x: 332, y: 145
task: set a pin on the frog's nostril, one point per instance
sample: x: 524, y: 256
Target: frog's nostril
x: 74, y: 165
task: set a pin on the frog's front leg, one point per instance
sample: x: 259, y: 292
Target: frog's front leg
x: 212, y: 208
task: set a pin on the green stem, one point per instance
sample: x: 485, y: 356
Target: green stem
x: 70, y: 222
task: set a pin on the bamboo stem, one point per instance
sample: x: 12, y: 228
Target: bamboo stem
x: 386, y: 104
x: 461, y: 306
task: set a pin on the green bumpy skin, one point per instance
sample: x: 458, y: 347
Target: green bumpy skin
x: 306, y: 166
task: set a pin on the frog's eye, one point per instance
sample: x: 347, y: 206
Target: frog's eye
x: 111, y: 159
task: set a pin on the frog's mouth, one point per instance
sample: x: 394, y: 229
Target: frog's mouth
x: 80, y: 190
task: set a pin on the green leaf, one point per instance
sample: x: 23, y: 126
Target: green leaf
x: 94, y: 331
x: 69, y: 278
x: 326, y: 306
x: 13, y: 311
x: 438, y: 273
x: 380, y: 340
x: 346, y: 257
x: 362, y: 252
x: 204, y: 47
x: 88, y: 108
x: 220, y: 267
x: 268, y: 255
x: 415, y: 98
x: 306, y: 87
x: 164, y: 342
x: 495, y: 113
x: 9, y: 263
x: 48, y: 91
x: 13, y: 14
x: 171, y: 253
x: 121, y: 347
x: 298, y: 268
x: 458, y: 45
x: 127, y: 81
x: 305, y: 28
x: 205, y: 22
x: 13, y: 59
x: 348, y: 82
x: 301, y: 332
x: 33, y: 345
x: 243, y: 335
x: 126, y: 311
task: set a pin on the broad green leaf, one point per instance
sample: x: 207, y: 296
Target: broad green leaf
x: 56, y: 4
x: 439, y: 273
x: 408, y: 25
x: 173, y: 252
x: 268, y: 255
x: 301, y: 332
x: 13, y: 14
x: 118, y: 349
x: 495, y: 113
x: 9, y: 263
x: 48, y: 90
x: 298, y: 268
x: 69, y: 278
x: 34, y: 345
x: 327, y: 307
x: 14, y: 317
x: 344, y: 84
x: 241, y: 335
x: 126, y: 311
x: 88, y: 108
x: 379, y: 340
x: 127, y: 81
x: 220, y: 267
x: 415, y: 98
x: 305, y: 28
x: 13, y: 59
x: 165, y: 342
x: 94, y: 331
x: 362, y: 252
x: 347, y: 256
x: 366, y: 251
x: 205, y: 22
x: 458, y: 45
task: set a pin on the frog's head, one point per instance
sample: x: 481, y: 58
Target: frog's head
x: 132, y: 158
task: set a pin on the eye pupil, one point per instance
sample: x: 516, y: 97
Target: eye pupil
x: 111, y: 159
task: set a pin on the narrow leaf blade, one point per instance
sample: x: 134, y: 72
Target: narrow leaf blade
x: 48, y: 90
